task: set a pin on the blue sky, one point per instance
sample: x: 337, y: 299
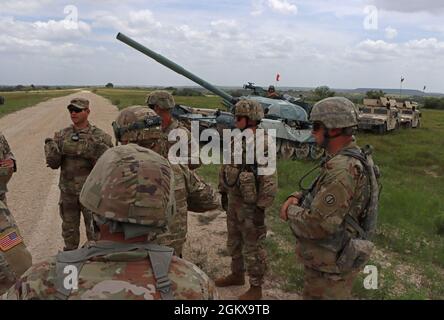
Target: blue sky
x: 308, y: 42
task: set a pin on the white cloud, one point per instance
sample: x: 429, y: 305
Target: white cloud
x: 390, y: 33
x: 279, y: 6
x: 283, y: 6
x: 20, y: 7
x: 428, y: 50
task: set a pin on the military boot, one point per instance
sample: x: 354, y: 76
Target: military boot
x: 233, y: 279
x: 254, y: 293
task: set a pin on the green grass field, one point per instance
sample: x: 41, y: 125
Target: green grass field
x: 123, y: 98
x: 410, y: 238
x: 22, y: 99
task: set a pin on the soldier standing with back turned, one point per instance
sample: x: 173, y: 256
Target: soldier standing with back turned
x: 334, y: 219
x: 75, y: 150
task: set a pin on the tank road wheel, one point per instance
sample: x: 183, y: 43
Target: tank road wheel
x: 287, y: 150
x: 302, y: 151
x: 316, y: 152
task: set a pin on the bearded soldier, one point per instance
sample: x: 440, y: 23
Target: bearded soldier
x: 335, y: 218
x: 75, y: 150
x: 141, y: 125
x: 131, y: 194
x: 246, y: 195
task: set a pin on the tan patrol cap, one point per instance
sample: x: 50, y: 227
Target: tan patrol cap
x: 79, y: 103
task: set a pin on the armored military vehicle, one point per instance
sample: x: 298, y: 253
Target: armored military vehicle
x: 293, y: 130
x: 379, y: 115
x: 410, y: 115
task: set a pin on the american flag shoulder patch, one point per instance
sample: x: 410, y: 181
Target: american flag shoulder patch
x: 9, y: 240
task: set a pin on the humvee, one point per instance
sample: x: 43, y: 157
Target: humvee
x: 410, y: 115
x: 379, y: 115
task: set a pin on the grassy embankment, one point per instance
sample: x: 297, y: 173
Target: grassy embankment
x: 410, y: 239
x: 18, y: 100
x: 123, y: 98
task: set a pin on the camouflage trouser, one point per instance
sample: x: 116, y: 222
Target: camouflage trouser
x: 246, y: 233
x: 327, y: 286
x: 70, y: 208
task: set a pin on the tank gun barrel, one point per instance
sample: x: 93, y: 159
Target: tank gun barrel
x: 175, y: 67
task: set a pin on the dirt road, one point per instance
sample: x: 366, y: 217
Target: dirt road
x: 33, y: 192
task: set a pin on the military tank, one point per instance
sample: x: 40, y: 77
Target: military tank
x: 293, y: 130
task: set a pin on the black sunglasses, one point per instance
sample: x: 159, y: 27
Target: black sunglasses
x: 75, y: 110
x: 317, y: 126
x: 151, y: 105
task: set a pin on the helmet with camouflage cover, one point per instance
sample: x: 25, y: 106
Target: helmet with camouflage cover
x: 131, y: 184
x: 138, y: 124
x: 160, y: 98
x: 335, y: 112
x: 249, y: 108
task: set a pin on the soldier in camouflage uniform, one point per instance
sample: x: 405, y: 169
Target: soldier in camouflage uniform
x: 162, y: 102
x: 248, y: 195
x: 75, y: 150
x: 7, y: 166
x: 15, y: 259
x: 131, y: 194
x: 334, y: 219
x: 141, y: 125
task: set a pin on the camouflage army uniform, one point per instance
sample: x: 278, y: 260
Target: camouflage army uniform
x: 15, y: 259
x: 246, y: 219
x: 76, y: 159
x: 5, y: 173
x: 320, y: 221
x: 197, y: 195
x: 130, y: 189
x: 133, y: 126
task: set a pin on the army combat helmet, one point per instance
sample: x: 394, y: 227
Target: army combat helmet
x: 138, y: 124
x: 130, y: 185
x: 160, y: 98
x: 335, y: 112
x: 249, y: 108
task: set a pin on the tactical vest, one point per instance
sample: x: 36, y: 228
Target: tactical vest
x: 159, y: 256
x: 365, y: 229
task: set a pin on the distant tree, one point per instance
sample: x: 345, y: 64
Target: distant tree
x: 187, y: 92
x: 170, y: 88
x: 434, y: 103
x: 109, y: 85
x: 19, y: 87
x: 375, y: 94
x: 323, y: 92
